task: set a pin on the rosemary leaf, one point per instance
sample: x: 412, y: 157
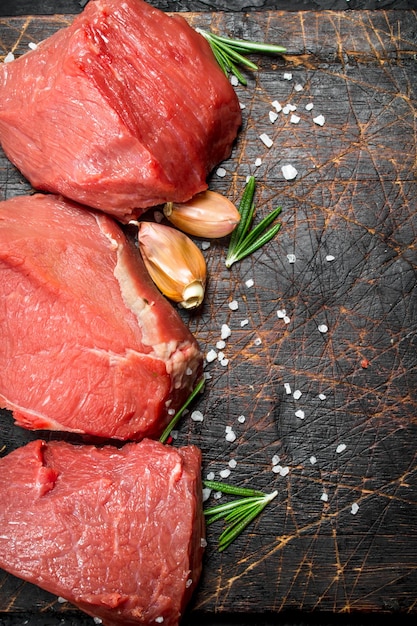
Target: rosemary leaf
x: 233, y: 531
x: 227, y: 506
x: 246, y: 209
x: 231, y: 489
x: 163, y: 438
x: 255, y: 246
x: 249, y: 46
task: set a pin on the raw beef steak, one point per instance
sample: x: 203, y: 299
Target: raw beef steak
x: 124, y: 109
x: 87, y: 343
x: 117, y: 532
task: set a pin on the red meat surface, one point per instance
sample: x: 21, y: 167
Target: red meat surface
x: 124, y: 109
x: 117, y: 532
x: 87, y: 342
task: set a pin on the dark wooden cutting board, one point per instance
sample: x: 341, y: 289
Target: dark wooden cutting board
x: 341, y: 536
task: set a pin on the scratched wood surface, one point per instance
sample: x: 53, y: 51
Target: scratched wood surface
x: 350, y: 220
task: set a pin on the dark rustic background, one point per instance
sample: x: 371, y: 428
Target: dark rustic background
x: 306, y: 561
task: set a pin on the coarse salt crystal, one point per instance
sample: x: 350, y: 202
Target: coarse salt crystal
x: 287, y: 76
x: 171, y: 411
x: 9, y: 57
x: 232, y: 463
x: 225, y: 473
x: 319, y: 120
x: 206, y: 494
x: 329, y: 257
x: 266, y: 140
x: 289, y: 172
x: 294, y: 119
x: 228, y: 429
x: 275, y: 459
x: 249, y: 282
x: 224, y: 362
x: 286, y: 319
x: 277, y: 106
x: 324, y: 496
x: 341, y: 448
x: 300, y: 413
x: 322, y: 328
x: 281, y: 313
x: 211, y: 356
x: 189, y: 582
x: 61, y: 600
x: 221, y: 172
x: 188, y: 371
x: 313, y: 460
x: 205, y: 245
x: 234, y: 80
x: 309, y: 106
x: 297, y: 394
x: 174, y: 434
x: 355, y: 508
x: 298, y: 87
x: 220, y: 356
x: 286, y: 109
x: 197, y: 416
x: 258, y: 162
x: 203, y: 542
x: 233, y: 305
x: 231, y: 436
x: 242, y: 106
x: 217, y: 495
x: 276, y: 469
x: 322, y: 396
x: 97, y: 620
x: 291, y: 258
x: 244, y: 323
x: 287, y: 388
x: 273, y: 116
x: 225, y: 329
x: 32, y: 45
x: 257, y: 341
x: 210, y: 476
x: 220, y: 345
x: 241, y: 419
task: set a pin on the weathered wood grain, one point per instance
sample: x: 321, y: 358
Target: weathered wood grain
x: 355, y: 199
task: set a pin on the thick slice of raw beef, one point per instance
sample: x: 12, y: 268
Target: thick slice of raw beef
x: 124, y: 109
x: 117, y: 532
x: 87, y: 343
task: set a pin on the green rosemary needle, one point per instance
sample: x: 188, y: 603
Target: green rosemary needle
x: 163, y: 438
x: 230, y: 52
x: 237, y: 514
x: 245, y: 241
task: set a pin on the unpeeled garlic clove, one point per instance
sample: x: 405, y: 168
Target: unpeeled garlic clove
x: 208, y: 214
x: 174, y: 262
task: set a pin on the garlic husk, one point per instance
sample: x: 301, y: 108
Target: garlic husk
x: 207, y: 214
x: 174, y: 262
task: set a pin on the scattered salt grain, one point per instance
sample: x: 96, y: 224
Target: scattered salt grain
x: 233, y: 305
x: 329, y: 257
x: 294, y: 119
x: 291, y: 258
x: 220, y: 356
x: 224, y: 362
x: 97, y: 620
x: 355, y: 508
x: 287, y: 76
x: 258, y: 162
x: 244, y: 323
x: 322, y: 396
x: 210, y: 476
x: 281, y: 313
x: 297, y: 394
x: 234, y: 80
x: 241, y: 419
x: 287, y: 388
x: 298, y: 87
x: 61, y: 600
x: 286, y: 319
x: 217, y: 495
x: 324, y: 496
x: 225, y: 473
x: 322, y: 328
x: 220, y: 345
x: 174, y: 434
x: 188, y: 371
x: 230, y: 436
x: 273, y: 116
x: 309, y: 106
x: 275, y: 459
x: 249, y: 283
x: 9, y: 57
x: 284, y: 470
x: 225, y: 330
x: 188, y: 583
x: 341, y: 448
x: 211, y: 356
x: 242, y: 106
x: 160, y: 619
x: 257, y: 341
x: 277, y: 106
x: 289, y: 172
x: 197, y: 416
x: 171, y: 411
x: 32, y: 45
x: 203, y: 542
x: 300, y: 414
x: 221, y: 172
x: 319, y: 120
x: 266, y: 140
x: 205, y: 245
x: 232, y: 463
x: 276, y: 469
x: 313, y: 460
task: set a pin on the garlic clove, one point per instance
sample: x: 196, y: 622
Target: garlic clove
x: 174, y: 262
x: 207, y: 214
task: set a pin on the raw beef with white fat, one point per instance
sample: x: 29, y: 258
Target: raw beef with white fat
x: 87, y: 343
x: 117, y: 532
x: 124, y: 109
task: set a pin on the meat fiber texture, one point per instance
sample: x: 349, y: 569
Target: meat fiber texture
x: 123, y: 110
x: 87, y: 342
x: 117, y: 532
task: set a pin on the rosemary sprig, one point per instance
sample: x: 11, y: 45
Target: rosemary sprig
x: 230, y: 52
x: 237, y: 514
x: 244, y: 241
x: 163, y: 438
